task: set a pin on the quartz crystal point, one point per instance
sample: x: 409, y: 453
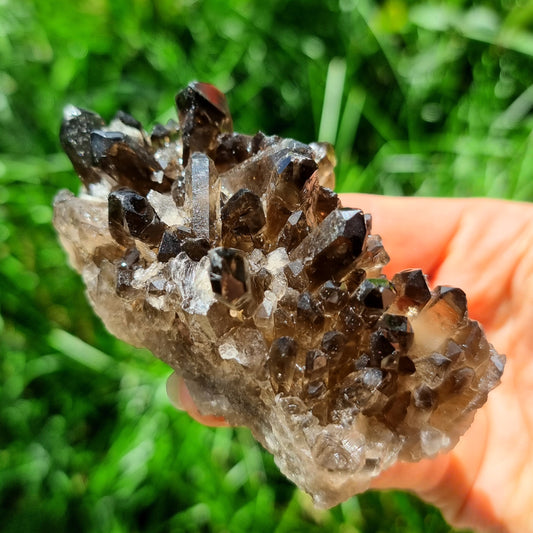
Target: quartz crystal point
x: 230, y: 257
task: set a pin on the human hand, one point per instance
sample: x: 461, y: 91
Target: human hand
x: 486, y: 248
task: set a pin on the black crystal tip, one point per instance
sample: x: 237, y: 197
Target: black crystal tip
x: 169, y: 247
x: 376, y: 293
x: 162, y: 134
x: 128, y: 120
x: 102, y: 141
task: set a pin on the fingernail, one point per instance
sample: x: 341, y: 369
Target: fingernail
x: 173, y: 391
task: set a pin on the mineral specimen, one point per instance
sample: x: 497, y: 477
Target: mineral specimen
x: 231, y: 258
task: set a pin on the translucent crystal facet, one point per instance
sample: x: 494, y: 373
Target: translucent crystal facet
x: 231, y: 258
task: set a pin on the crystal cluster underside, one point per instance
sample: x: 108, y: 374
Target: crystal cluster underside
x: 230, y: 257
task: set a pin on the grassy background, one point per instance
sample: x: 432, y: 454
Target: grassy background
x: 419, y: 98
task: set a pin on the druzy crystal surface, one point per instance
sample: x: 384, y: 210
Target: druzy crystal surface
x: 230, y: 257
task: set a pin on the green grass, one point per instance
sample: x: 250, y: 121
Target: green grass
x: 419, y: 98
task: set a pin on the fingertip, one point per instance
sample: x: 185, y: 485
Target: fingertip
x: 173, y: 391
x: 395, y: 477
x: 421, y: 477
x: 180, y: 398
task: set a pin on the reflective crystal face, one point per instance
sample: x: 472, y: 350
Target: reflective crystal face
x: 231, y: 258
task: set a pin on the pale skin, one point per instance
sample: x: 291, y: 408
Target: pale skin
x: 486, y: 248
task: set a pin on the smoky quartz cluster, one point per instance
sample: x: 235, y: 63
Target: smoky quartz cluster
x: 230, y: 257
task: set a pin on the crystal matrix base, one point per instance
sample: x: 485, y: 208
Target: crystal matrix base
x: 231, y: 259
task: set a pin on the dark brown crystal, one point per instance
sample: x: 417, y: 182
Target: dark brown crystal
x: 318, y: 201
x: 132, y: 216
x: 294, y: 231
x: 229, y: 274
x: 308, y: 312
x: 124, y: 273
x: 242, y: 217
x: 196, y: 248
x: 281, y: 362
x: 332, y: 247
x: 232, y: 149
x: 424, y: 397
x: 169, y: 247
x: 129, y: 164
x: 412, y: 288
x: 75, y: 137
x: 397, y: 330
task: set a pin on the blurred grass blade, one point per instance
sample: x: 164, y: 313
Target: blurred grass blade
x: 30, y: 169
x: 80, y: 351
x: 350, y: 121
x: 479, y: 23
x: 383, y: 124
x: 332, y: 100
x: 519, y: 41
x: 521, y: 186
x: 515, y: 112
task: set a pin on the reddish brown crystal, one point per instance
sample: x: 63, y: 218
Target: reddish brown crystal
x: 204, y: 114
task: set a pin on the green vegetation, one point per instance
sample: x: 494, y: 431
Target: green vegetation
x: 419, y: 98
